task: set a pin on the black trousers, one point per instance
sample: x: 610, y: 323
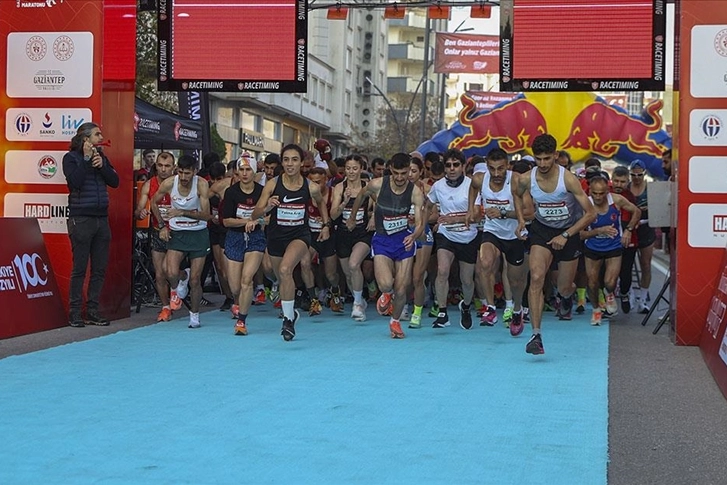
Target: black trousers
x: 90, y: 239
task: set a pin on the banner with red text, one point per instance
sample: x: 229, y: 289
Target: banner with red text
x: 467, y: 53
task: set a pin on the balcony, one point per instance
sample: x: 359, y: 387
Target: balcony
x: 411, y: 21
x: 401, y: 84
x: 407, y: 52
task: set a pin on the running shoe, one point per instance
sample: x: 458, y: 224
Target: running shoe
x: 288, y: 331
x: 240, y: 328
x: 441, y: 321
x: 526, y: 315
x: 359, y: 311
x: 165, y: 315
x: 606, y: 314
x: 274, y: 294
x: 175, y: 302
x: 315, y: 307
x: 277, y: 304
x: 565, y: 310
x: 183, y: 286
x: 625, y: 303
x: 611, y: 305
x: 396, y: 331
x: 489, y: 318
x: 259, y: 297
x: 517, y: 326
x: 93, y: 318
x: 465, y: 319
x: 384, y: 305
x: 235, y: 309
x: 434, y: 310
x: 596, y: 318
x: 644, y: 308
x: 302, y: 300
x: 535, y: 345
x: 507, y: 316
x: 336, y: 303
x: 405, y: 315
x: 194, y: 322
x: 227, y: 304
x: 581, y: 307
x: 416, y: 321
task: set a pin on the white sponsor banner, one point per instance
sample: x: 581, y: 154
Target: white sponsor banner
x: 50, y: 65
x: 51, y: 210
x: 702, y: 172
x: 44, y: 124
x: 707, y: 227
x: 709, y: 61
x: 707, y: 127
x: 34, y: 167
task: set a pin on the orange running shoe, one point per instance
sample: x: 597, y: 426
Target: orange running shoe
x: 165, y: 315
x: 336, y: 303
x: 260, y: 297
x: 174, y: 301
x: 384, y: 305
x: 396, y: 331
x: 235, y: 309
x: 277, y: 304
x: 240, y: 328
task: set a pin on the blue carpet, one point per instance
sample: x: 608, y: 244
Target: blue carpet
x: 342, y: 403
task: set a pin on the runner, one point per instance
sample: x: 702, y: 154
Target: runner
x: 186, y: 234
x: 455, y: 238
x: 494, y: 188
x: 219, y: 182
x: 646, y: 234
x: 285, y: 198
x: 245, y: 242
x: 558, y: 199
x: 164, y: 169
x: 393, y: 244
x: 352, y: 245
x: 604, y: 241
x: 423, y: 245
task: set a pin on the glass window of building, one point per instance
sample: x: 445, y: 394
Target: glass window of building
x: 271, y: 129
x: 249, y: 121
x: 225, y: 116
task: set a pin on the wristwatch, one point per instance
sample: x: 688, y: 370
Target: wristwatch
x: 565, y: 234
x: 503, y: 213
x: 161, y: 225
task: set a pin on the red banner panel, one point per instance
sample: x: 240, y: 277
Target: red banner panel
x: 714, y: 338
x: 467, y: 53
x: 28, y: 290
x: 232, y: 45
x: 602, y: 46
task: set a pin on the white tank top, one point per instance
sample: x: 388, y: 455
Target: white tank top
x: 501, y: 228
x: 556, y: 209
x: 188, y: 202
x: 453, y: 201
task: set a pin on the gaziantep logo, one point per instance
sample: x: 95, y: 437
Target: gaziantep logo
x: 711, y: 127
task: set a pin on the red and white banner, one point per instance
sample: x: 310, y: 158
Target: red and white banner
x: 28, y: 288
x: 467, y: 53
x: 488, y: 100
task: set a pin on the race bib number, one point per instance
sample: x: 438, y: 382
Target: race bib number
x: 346, y: 214
x: 315, y: 223
x: 456, y: 226
x: 555, y: 211
x: 394, y: 224
x: 291, y: 214
x: 244, y: 212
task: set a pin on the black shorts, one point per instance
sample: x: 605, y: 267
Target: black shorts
x: 598, y: 255
x: 464, y: 252
x: 540, y: 234
x: 157, y: 244
x: 278, y: 245
x: 346, y: 240
x: 646, y: 235
x: 325, y: 249
x: 513, y: 249
x: 217, y: 237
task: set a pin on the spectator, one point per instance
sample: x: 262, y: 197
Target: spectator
x: 88, y: 174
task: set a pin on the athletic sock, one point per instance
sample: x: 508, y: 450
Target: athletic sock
x: 357, y: 297
x: 417, y: 310
x: 508, y: 304
x: 644, y: 295
x: 288, y: 309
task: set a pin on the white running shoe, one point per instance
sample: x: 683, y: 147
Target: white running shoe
x: 359, y: 311
x: 405, y: 315
x: 183, y: 286
x: 194, y: 321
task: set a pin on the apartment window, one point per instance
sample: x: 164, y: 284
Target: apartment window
x: 321, y: 94
x: 349, y: 57
x: 313, y: 88
x: 271, y: 129
x: 225, y: 116
x: 249, y: 121
x: 475, y: 87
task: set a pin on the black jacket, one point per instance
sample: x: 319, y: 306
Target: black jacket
x: 87, y: 185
